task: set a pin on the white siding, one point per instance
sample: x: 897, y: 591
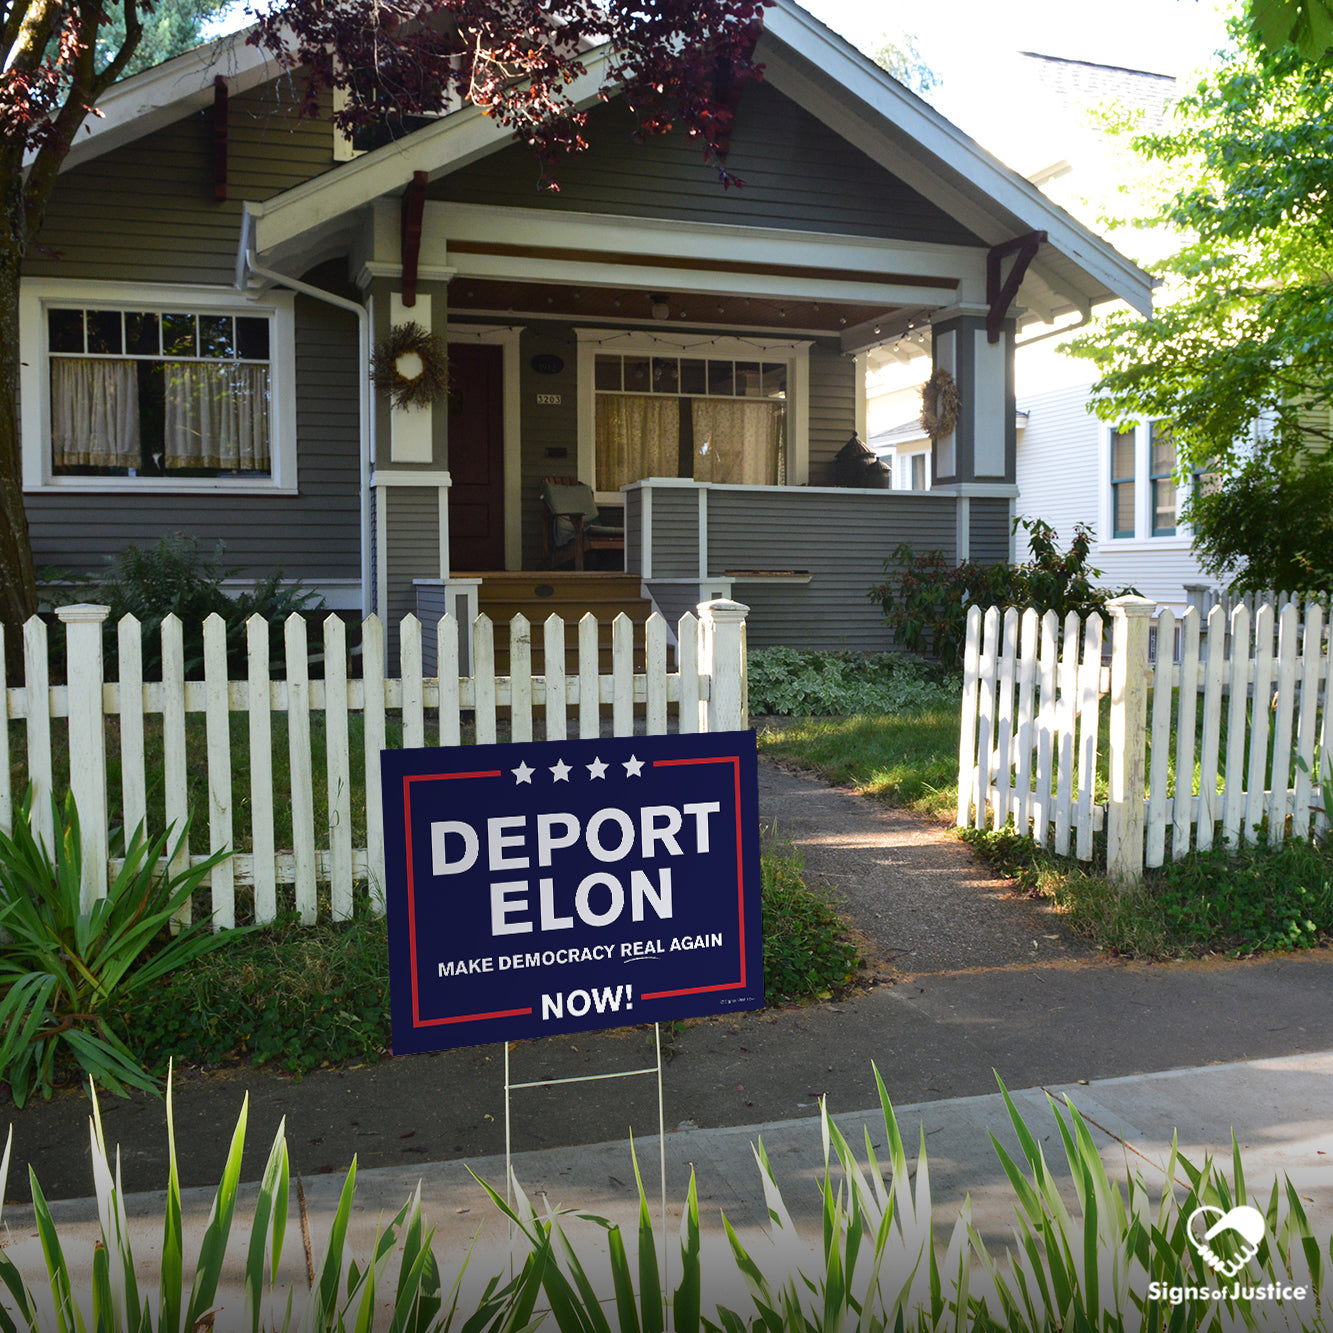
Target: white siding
x: 1062, y: 478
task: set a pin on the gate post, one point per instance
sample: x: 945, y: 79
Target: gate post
x: 87, y: 741
x: 1128, y: 737
x: 722, y: 659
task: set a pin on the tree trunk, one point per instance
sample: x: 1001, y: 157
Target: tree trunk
x: 18, y: 584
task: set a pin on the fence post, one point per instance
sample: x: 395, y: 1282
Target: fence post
x: 87, y: 740
x: 722, y: 660
x: 1128, y: 737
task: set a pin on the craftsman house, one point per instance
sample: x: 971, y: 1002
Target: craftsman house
x: 215, y: 272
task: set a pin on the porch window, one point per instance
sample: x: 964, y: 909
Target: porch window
x: 708, y: 419
x: 159, y: 393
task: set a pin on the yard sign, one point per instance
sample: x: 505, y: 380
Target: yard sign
x: 564, y: 886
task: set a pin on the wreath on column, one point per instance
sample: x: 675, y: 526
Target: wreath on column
x: 939, y: 403
x: 411, y: 365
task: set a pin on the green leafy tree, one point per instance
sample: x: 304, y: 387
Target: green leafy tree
x: 171, y: 29
x: 899, y: 54
x: 1238, y: 355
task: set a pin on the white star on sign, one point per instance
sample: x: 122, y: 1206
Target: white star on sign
x: 597, y: 769
x: 523, y: 774
x: 560, y: 771
x: 632, y: 767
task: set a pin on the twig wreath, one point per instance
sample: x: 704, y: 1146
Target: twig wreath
x: 411, y: 365
x: 939, y: 403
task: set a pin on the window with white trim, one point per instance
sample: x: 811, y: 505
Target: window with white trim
x: 1162, y: 475
x: 1143, y: 492
x: 703, y: 418
x: 1122, y: 482
x: 709, y: 408
x: 158, y: 393
x: 156, y: 388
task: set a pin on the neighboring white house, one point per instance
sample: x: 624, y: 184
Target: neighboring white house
x: 1071, y: 467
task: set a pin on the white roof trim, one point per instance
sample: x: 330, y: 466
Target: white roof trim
x: 168, y: 92
x: 894, y: 108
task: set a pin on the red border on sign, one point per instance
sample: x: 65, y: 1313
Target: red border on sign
x: 735, y: 761
x: 417, y: 1020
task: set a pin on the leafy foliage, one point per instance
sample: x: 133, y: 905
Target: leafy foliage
x: 806, y: 950
x: 1236, y: 356
x: 172, y: 28
x: 291, y: 995
x: 677, y: 63
x: 1239, y: 900
x: 1085, y: 1258
x: 65, y: 970
x: 925, y: 599
x: 1251, y: 897
x: 795, y: 681
x: 175, y: 577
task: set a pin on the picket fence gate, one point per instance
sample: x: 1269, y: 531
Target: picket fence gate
x: 1245, y: 720
x: 706, y: 691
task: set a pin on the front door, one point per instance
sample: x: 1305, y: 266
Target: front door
x: 476, y: 457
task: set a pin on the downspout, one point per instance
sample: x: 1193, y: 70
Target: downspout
x: 253, y: 265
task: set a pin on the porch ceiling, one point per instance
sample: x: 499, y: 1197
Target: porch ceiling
x: 622, y: 304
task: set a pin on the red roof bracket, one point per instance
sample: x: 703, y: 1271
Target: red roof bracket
x: 220, y: 137
x: 413, y: 210
x: 1000, y: 295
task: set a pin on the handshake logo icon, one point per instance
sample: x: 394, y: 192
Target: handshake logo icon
x: 1226, y: 1241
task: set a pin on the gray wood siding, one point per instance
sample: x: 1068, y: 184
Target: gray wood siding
x: 988, y: 531
x: 832, y: 408
x: 673, y: 600
x: 413, y: 517
x: 152, y: 200
x: 842, y: 539
x: 633, y: 532
x: 797, y: 173
x: 312, y: 535
x: 675, y: 525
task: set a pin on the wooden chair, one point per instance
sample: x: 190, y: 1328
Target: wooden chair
x: 573, y: 524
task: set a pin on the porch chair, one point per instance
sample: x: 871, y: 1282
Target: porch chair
x: 573, y: 524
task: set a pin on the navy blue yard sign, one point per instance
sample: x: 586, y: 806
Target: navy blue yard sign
x: 563, y: 886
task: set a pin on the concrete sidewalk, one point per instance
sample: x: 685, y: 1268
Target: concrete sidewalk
x: 1278, y: 1109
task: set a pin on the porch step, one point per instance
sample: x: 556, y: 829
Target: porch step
x: 569, y: 595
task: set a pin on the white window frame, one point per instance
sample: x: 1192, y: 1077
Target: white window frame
x: 794, y: 354
x: 37, y: 296
x: 1143, y: 538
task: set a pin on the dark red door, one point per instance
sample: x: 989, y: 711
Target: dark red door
x: 476, y: 457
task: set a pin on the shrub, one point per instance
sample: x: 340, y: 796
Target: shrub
x: 175, y: 577
x: 842, y: 684
x: 925, y: 599
x: 292, y: 995
x: 806, y: 952
x: 64, y: 970
x: 1251, y: 897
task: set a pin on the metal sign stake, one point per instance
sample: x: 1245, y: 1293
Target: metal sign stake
x: 595, y: 1078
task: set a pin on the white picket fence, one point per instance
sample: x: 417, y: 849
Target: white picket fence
x: 703, y: 690
x: 1245, y: 719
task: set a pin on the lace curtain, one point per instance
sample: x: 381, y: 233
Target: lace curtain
x: 638, y: 436
x: 217, y: 416
x: 738, y: 440
x: 94, y: 413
